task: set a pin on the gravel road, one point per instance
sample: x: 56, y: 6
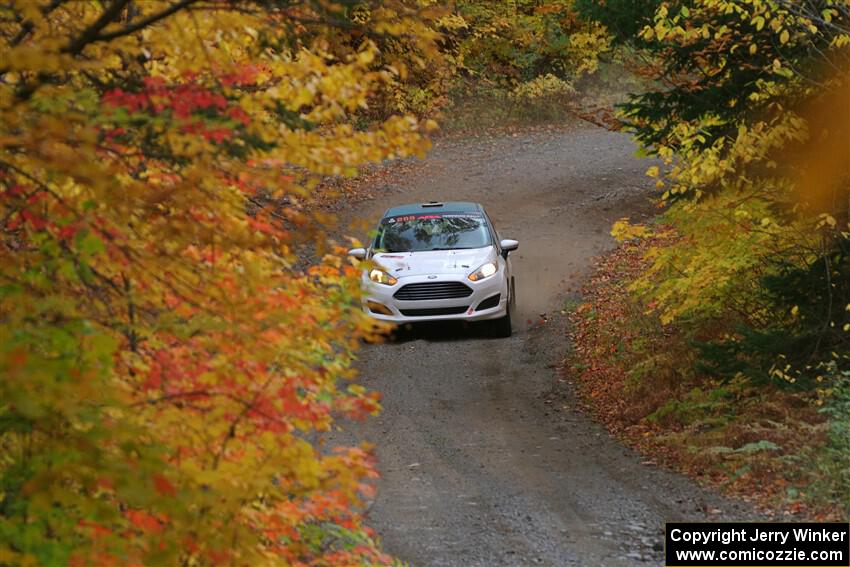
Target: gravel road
x: 484, y: 455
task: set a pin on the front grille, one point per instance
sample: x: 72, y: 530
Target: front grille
x: 489, y: 303
x: 432, y: 312
x: 432, y: 290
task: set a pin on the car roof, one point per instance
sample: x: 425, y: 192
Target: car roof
x: 435, y: 207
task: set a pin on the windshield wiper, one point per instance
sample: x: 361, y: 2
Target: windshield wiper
x: 457, y: 248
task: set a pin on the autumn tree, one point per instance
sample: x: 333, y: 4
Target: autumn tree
x: 750, y: 120
x: 165, y: 364
x: 737, y: 297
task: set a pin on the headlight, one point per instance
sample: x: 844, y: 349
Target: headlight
x: 381, y: 277
x: 482, y: 272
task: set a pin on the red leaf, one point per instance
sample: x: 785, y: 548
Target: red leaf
x: 144, y: 521
x: 164, y: 486
x: 36, y: 221
x: 67, y: 232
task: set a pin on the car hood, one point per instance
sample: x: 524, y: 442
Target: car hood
x: 403, y: 264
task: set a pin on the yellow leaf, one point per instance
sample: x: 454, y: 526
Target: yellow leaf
x: 624, y: 230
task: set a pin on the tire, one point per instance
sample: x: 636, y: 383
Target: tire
x: 502, y: 327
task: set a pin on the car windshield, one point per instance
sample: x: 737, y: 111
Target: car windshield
x: 424, y: 232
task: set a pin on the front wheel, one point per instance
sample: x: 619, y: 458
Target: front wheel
x: 502, y: 327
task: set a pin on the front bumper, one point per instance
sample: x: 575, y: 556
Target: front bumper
x: 468, y: 308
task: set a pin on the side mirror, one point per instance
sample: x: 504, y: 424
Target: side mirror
x: 359, y: 253
x: 508, y: 245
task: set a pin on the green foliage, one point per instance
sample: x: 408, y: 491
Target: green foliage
x: 623, y: 18
x: 801, y: 337
x: 731, y: 62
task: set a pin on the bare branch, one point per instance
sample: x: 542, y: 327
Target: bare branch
x: 144, y: 22
x: 76, y: 46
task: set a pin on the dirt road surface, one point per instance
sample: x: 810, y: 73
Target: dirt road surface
x: 485, y: 457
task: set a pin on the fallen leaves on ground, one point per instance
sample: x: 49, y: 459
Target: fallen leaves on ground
x: 612, y: 335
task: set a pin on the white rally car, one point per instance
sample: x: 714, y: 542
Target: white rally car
x: 439, y: 261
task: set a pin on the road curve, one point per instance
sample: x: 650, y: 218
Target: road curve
x: 485, y: 458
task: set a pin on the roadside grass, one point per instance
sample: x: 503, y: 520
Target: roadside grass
x: 786, y: 451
